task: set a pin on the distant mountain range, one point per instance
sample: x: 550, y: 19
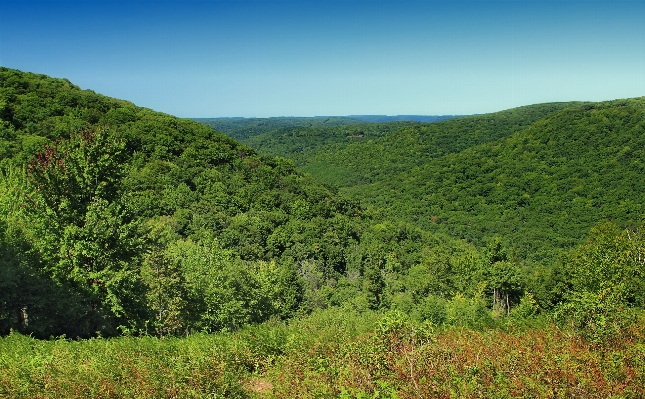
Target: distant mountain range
x: 411, y: 118
x: 362, y: 118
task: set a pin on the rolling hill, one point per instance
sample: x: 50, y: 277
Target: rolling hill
x: 349, y: 155
x: 541, y: 188
x: 230, y: 273
x: 538, y: 176
x: 121, y: 218
x: 118, y: 219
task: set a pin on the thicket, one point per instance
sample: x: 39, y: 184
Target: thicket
x: 400, y: 359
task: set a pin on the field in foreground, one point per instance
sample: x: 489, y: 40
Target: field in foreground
x: 336, y: 354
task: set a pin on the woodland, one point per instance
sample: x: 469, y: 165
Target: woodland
x: 144, y: 255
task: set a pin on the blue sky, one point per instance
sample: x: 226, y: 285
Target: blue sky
x: 306, y: 58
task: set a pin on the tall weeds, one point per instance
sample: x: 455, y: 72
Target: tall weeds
x: 334, y: 353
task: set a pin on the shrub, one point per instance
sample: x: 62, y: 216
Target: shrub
x: 597, y: 316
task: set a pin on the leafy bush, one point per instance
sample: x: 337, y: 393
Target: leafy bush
x: 468, y: 312
x: 527, y: 308
x: 598, y: 316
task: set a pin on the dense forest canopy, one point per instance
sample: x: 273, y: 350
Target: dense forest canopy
x: 351, y: 154
x: 393, y: 118
x: 139, y: 217
x: 118, y: 219
x: 539, y: 176
x: 429, y: 262
x: 541, y: 188
x: 245, y: 128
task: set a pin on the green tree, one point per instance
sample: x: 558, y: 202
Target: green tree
x: 609, y: 256
x: 167, y: 293
x: 503, y: 278
x: 84, y: 233
x: 222, y: 293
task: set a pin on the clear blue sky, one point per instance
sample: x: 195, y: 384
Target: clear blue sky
x: 305, y: 58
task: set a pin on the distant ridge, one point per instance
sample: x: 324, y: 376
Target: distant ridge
x: 397, y: 118
x: 241, y: 128
x: 362, y: 118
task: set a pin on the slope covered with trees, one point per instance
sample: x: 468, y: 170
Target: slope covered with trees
x: 539, y: 176
x: 243, y: 129
x: 357, y: 154
x: 541, y: 188
x: 411, y: 118
x: 118, y: 218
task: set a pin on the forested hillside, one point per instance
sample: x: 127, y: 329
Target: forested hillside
x: 402, y: 148
x: 357, y: 154
x: 538, y: 176
x: 410, y: 118
x: 541, y: 189
x: 116, y: 220
x: 243, y: 129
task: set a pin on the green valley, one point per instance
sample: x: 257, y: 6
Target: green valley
x: 145, y: 255
x: 539, y: 176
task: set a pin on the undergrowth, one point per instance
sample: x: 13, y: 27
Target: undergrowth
x: 333, y: 353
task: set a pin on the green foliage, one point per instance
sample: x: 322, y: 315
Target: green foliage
x: 201, y: 366
x: 166, y: 294
x: 527, y: 308
x: 119, y: 219
x: 540, y: 188
x: 243, y: 129
x: 396, y: 326
x: 83, y: 232
x: 609, y: 256
x: 352, y: 155
x: 605, y: 278
x: 433, y: 309
x: 467, y: 312
x: 539, y: 176
x: 598, y: 316
x: 331, y: 352
x: 395, y: 360
x: 147, y: 222
x: 200, y: 287
x: 115, y: 219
